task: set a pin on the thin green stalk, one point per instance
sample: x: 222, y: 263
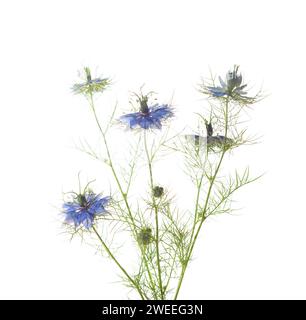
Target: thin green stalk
x: 132, y: 167
x: 132, y: 281
x: 205, y: 207
x: 155, y: 207
x: 149, y: 274
x: 196, y: 206
x: 171, y: 270
x: 124, y: 195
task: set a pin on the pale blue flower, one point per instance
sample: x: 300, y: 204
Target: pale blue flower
x: 231, y: 86
x: 148, y: 117
x: 91, y: 85
x: 83, y: 208
x: 210, y: 140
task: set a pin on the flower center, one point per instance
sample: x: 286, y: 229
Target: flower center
x: 88, y: 74
x: 144, y: 105
x: 82, y: 200
x: 209, y: 128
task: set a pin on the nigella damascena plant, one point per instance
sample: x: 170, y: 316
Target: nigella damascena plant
x: 162, y: 234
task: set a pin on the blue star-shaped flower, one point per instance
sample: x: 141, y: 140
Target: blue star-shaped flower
x: 211, y: 140
x: 230, y: 87
x: 83, y: 209
x: 148, y: 117
x: 91, y: 85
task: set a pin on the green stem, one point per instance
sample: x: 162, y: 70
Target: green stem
x: 132, y: 167
x: 156, y: 217
x: 132, y: 281
x: 149, y: 273
x: 171, y: 270
x: 205, y: 207
x: 123, y: 194
x: 199, y: 186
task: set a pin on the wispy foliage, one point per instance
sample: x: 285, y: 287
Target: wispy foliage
x: 161, y: 233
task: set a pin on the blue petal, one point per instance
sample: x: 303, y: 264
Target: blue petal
x: 217, y: 91
x: 71, y: 206
x: 161, y: 112
x: 131, y: 119
x: 240, y: 90
x: 223, y: 84
x: 87, y: 221
x: 69, y: 219
x: 150, y: 120
x: 145, y: 122
x: 105, y: 200
x: 92, y: 197
x: 156, y: 124
x: 96, y: 207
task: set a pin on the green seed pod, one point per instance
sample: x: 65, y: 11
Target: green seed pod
x: 158, y: 192
x: 144, y: 236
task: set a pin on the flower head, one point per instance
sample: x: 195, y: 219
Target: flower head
x: 145, y: 236
x: 91, y: 85
x: 83, y: 208
x: 231, y: 87
x: 148, y: 117
x: 210, y: 141
x: 158, y: 191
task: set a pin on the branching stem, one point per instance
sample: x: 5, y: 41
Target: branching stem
x: 155, y: 207
x: 211, y: 184
x: 130, y: 279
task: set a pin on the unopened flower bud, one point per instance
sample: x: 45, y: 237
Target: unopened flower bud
x: 158, y: 192
x: 144, y: 236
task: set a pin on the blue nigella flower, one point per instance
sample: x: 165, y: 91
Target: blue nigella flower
x: 230, y: 87
x: 211, y: 140
x: 91, y: 85
x: 83, y: 208
x: 147, y: 117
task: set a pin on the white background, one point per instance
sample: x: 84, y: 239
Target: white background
x: 168, y: 45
